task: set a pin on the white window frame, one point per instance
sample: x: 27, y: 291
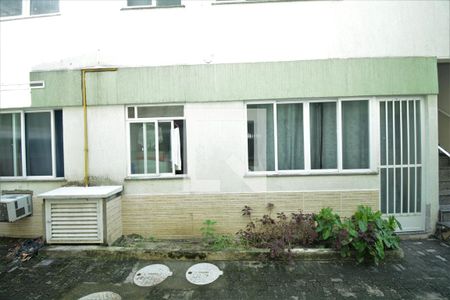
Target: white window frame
x: 155, y: 121
x: 151, y: 5
x: 307, y: 140
x: 26, y: 12
x: 24, y: 151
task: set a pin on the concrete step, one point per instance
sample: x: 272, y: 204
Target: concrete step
x: 444, y: 213
x: 444, y: 224
x: 444, y: 184
x: 444, y: 200
x: 444, y: 161
x: 444, y: 192
x: 444, y: 173
x: 445, y: 208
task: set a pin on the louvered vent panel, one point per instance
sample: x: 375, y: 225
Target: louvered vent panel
x: 77, y: 221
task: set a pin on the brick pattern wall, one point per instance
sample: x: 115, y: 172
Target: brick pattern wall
x: 32, y: 226
x: 181, y: 216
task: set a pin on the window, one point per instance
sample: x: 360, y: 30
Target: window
x: 16, y: 8
x: 150, y: 3
x: 304, y: 136
x: 31, y: 144
x: 156, y: 140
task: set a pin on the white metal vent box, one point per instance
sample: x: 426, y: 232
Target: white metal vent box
x: 83, y: 215
x: 14, y: 207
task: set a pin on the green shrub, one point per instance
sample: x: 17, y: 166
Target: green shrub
x: 366, y: 233
x: 278, y: 234
x: 213, y: 240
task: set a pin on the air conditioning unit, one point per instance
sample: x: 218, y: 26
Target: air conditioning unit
x: 14, y: 207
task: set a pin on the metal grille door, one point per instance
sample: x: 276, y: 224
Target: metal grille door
x: 400, y: 162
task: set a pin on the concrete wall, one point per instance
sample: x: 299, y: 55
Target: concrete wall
x: 89, y: 33
x: 444, y: 105
x: 240, y: 81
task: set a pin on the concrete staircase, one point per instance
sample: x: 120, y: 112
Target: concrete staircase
x: 444, y: 191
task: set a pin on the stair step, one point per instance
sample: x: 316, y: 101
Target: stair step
x: 444, y: 173
x: 444, y: 200
x: 444, y: 224
x: 444, y: 184
x: 444, y: 192
x: 444, y: 208
x: 444, y: 161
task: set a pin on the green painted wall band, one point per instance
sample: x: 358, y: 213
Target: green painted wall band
x: 241, y: 81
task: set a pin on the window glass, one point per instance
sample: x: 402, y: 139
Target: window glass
x: 139, y: 2
x: 9, y: 8
x: 290, y: 136
x: 38, y: 144
x: 158, y: 147
x: 418, y: 137
x: 412, y: 136
x: 40, y: 7
x: 383, y: 132
x: 136, y: 148
x: 151, y: 148
x: 164, y: 137
x: 10, y: 145
x: 355, y: 134
x: 160, y: 111
x: 260, y: 133
x: 59, y: 143
x: 323, y: 135
x: 168, y: 2
x: 130, y: 112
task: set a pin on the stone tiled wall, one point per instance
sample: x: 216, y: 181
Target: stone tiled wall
x: 181, y: 216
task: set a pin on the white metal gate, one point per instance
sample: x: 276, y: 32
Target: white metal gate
x: 401, y: 162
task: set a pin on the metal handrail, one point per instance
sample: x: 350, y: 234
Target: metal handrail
x: 444, y: 151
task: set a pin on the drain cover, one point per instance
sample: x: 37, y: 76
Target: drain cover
x: 102, y: 296
x: 152, y: 275
x: 203, y: 273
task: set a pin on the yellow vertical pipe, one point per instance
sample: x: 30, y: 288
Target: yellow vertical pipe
x: 84, y: 100
x: 86, y: 149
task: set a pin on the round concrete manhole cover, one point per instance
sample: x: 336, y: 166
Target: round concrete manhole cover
x: 152, y: 275
x: 102, y: 296
x: 203, y: 273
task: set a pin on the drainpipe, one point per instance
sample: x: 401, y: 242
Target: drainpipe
x: 83, y: 96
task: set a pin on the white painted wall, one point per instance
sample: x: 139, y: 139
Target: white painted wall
x: 89, y: 33
x: 216, y: 154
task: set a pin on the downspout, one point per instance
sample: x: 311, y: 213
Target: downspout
x: 84, y: 100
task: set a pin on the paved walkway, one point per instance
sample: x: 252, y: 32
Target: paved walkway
x: 424, y: 273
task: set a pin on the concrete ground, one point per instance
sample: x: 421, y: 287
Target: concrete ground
x: 424, y: 273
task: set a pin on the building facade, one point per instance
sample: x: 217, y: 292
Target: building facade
x: 198, y: 108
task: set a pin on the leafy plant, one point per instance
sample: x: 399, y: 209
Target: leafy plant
x: 216, y: 241
x: 208, y: 231
x: 366, y: 233
x: 279, y: 234
x: 327, y: 223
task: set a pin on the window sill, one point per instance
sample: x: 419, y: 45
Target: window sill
x: 151, y: 7
x: 31, y: 179
x: 4, y: 19
x: 299, y: 174
x: 163, y: 177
